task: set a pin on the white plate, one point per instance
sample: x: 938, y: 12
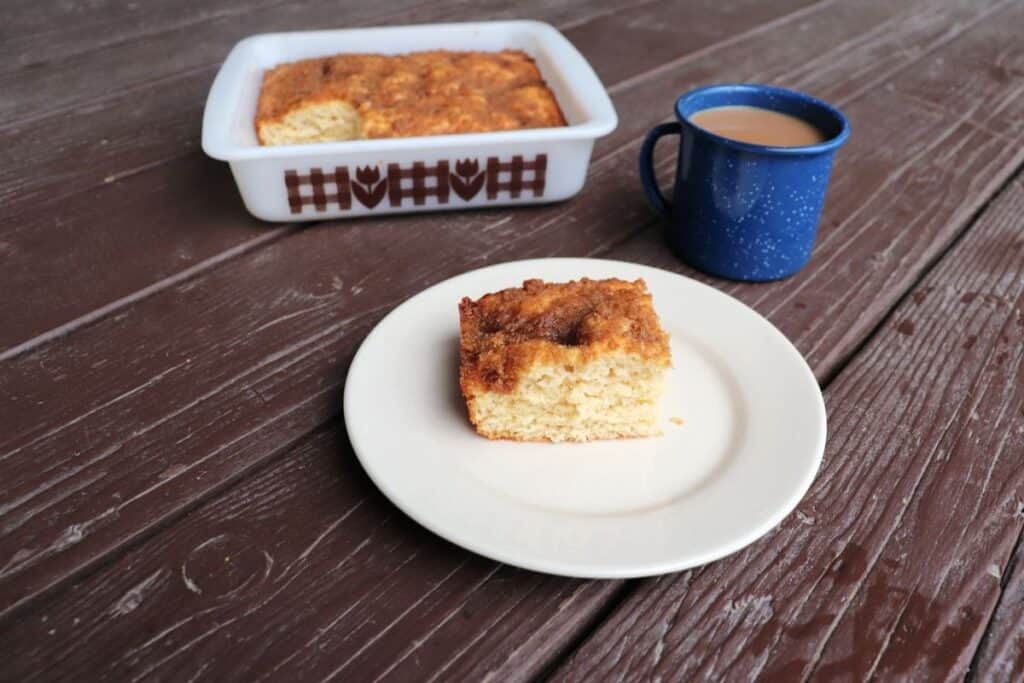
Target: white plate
x: 751, y: 441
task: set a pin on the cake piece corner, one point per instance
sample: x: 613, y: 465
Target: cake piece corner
x: 573, y: 361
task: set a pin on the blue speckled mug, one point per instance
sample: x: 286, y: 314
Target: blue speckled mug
x: 740, y: 210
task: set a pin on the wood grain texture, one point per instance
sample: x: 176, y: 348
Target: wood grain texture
x: 128, y: 130
x: 890, y: 566
x: 42, y: 35
x: 109, y: 409
x: 1001, y: 654
x: 50, y: 202
x: 161, y: 453
x: 203, y: 421
x: 885, y: 220
x: 303, y: 572
x: 147, y: 59
x: 203, y: 219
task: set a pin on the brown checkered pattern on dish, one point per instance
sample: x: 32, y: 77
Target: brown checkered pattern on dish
x: 515, y: 182
x: 419, y: 191
x: 317, y: 180
x: 515, y: 177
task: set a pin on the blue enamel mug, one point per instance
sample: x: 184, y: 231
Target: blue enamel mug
x: 739, y: 210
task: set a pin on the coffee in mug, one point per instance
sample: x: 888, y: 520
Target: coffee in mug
x: 758, y: 126
x: 752, y: 168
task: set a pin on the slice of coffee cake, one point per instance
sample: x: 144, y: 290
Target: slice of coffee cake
x: 570, y: 361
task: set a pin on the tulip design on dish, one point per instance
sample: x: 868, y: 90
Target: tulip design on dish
x: 368, y: 187
x: 467, y: 179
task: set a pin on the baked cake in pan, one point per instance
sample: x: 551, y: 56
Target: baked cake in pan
x: 571, y: 361
x: 357, y: 96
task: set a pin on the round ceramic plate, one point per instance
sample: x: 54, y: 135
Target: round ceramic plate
x: 744, y: 432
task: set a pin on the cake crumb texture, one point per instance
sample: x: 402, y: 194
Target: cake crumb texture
x: 360, y: 96
x: 563, y: 361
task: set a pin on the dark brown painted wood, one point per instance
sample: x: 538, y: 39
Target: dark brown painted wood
x: 34, y: 243
x: 41, y: 36
x: 1001, y: 654
x: 178, y: 498
x: 287, y: 340
x: 891, y: 566
x: 146, y: 58
x: 50, y: 201
x: 302, y: 572
x: 126, y: 130
x: 950, y: 123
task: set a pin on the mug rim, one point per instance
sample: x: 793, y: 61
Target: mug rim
x: 828, y: 145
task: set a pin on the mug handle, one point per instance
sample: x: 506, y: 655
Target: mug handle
x: 650, y: 183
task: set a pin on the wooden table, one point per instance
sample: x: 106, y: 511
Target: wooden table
x: 178, y: 498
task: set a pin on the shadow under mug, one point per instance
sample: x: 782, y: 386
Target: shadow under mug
x: 740, y: 210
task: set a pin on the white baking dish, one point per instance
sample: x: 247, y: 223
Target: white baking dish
x: 340, y: 179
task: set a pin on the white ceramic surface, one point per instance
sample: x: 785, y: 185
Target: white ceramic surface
x: 750, y: 442
x: 228, y: 132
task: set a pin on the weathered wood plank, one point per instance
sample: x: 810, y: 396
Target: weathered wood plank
x: 35, y: 35
x: 309, y: 605
x: 947, y: 140
x: 32, y: 240
x: 1001, y: 654
x: 287, y: 347
x: 124, y: 132
x: 140, y: 130
x: 120, y: 142
x: 197, y: 600
x: 150, y: 58
x: 304, y: 571
x: 890, y: 566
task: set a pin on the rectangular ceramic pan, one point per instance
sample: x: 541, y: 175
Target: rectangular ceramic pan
x: 340, y: 179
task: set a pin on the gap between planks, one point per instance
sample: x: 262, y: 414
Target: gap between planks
x: 1008, y: 574
x: 140, y: 35
x: 1012, y: 566
x: 145, y: 533
x: 95, y: 315
x: 631, y: 586
x: 375, y: 20
x: 928, y: 267
x: 273, y: 235
x: 199, y: 268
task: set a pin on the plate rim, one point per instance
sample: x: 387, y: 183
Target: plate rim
x: 583, y: 570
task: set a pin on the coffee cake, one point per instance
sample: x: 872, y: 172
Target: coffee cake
x: 358, y: 96
x: 571, y: 361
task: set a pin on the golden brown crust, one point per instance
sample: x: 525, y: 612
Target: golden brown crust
x: 504, y: 333
x: 422, y: 93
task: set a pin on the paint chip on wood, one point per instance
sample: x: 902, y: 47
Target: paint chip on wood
x: 994, y: 571
x: 805, y: 518
x: 131, y: 600
x: 72, y: 535
x: 753, y: 610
